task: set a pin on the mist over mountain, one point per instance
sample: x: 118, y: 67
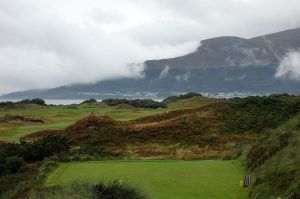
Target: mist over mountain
x: 236, y: 51
x: 261, y: 65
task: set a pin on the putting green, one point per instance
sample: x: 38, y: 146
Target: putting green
x: 161, y: 179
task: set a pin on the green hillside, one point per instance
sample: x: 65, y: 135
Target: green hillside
x: 92, y: 143
x: 275, y: 162
x: 59, y: 117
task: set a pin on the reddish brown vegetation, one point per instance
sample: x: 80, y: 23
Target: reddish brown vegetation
x: 18, y: 118
x: 200, y: 127
x: 25, y: 179
x: 213, y: 107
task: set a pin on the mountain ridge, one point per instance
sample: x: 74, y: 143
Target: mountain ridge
x: 233, y: 51
x: 219, y: 65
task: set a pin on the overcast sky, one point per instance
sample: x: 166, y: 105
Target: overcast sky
x: 48, y: 43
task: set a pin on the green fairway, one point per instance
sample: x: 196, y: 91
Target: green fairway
x: 161, y: 179
x: 59, y: 117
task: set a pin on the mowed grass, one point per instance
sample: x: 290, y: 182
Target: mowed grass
x: 59, y: 117
x: 161, y: 179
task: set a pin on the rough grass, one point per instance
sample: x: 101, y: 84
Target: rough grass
x: 73, y: 191
x: 197, y: 131
x: 89, y: 190
x: 160, y: 179
x: 278, y: 175
x: 59, y: 117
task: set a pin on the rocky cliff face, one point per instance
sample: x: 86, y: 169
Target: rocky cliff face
x: 235, y: 51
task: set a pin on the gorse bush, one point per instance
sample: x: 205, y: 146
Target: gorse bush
x: 173, y: 99
x: 93, y: 150
x: 116, y: 190
x: 72, y: 191
x: 100, y: 190
x: 18, y: 185
x: 23, y: 103
x: 13, y: 155
x: 19, y: 162
x: 256, y: 113
x: 33, y: 101
x: 8, y: 118
x: 11, y: 164
x: 89, y: 101
x: 138, y: 103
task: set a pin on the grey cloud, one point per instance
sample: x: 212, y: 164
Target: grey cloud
x: 184, y: 77
x: 56, y: 42
x: 289, y: 67
x: 164, y: 73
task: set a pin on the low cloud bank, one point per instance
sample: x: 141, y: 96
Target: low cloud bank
x: 289, y: 67
x: 50, y: 43
x: 164, y: 73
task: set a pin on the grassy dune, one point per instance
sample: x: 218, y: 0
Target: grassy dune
x: 161, y: 179
x: 58, y: 117
x: 193, y: 129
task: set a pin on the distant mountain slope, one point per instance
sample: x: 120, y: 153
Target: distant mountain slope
x: 236, y: 51
x: 220, y: 65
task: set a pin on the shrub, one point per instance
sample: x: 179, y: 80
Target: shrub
x: 11, y: 164
x: 116, y: 190
x: 8, y: 118
x: 72, y: 191
x: 15, y: 164
x: 10, y: 104
x: 173, y: 99
x: 256, y: 113
x: 33, y: 101
x: 89, y: 101
x: 138, y: 103
x: 13, y: 156
x: 53, y: 144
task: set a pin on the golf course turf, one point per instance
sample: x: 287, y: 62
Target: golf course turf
x: 59, y: 117
x: 160, y: 179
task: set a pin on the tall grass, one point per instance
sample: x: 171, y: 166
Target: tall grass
x: 277, y: 173
x: 18, y: 185
x: 116, y: 190
x: 72, y: 191
x: 87, y: 190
